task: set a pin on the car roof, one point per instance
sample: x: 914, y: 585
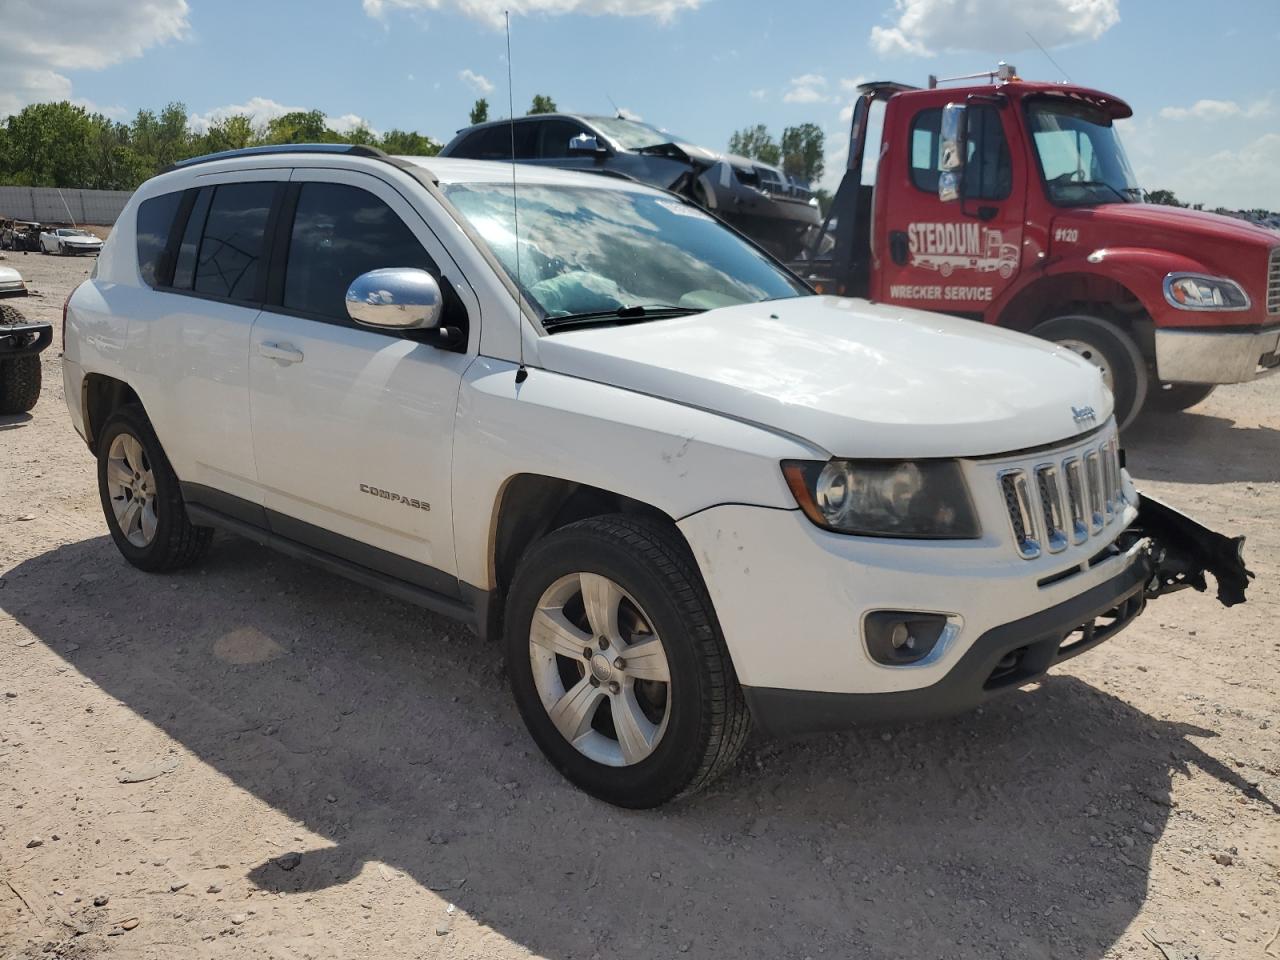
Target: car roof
x: 451, y: 170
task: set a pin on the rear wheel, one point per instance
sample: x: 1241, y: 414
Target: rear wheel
x: 1112, y: 351
x: 141, y: 499
x: 1172, y: 397
x: 617, y: 663
x: 20, y: 377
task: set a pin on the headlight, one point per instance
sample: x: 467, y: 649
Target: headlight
x: 1189, y: 291
x: 883, y: 498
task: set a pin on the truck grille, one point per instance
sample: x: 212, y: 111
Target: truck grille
x: 1273, y: 281
x: 1063, y: 501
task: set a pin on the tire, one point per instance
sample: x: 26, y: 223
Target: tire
x: 1172, y: 397
x: 20, y: 377
x: 170, y: 540
x: 695, y: 729
x: 1107, y: 346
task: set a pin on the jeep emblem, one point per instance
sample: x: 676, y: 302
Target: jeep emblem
x: 1083, y: 414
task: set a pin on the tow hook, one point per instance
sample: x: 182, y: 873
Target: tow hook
x: 1183, y: 551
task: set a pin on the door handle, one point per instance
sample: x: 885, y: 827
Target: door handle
x: 899, y: 248
x: 284, y: 352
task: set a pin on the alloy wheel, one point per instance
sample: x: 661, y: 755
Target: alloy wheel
x: 131, y: 486
x: 600, y: 669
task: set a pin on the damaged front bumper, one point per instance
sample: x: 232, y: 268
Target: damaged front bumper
x: 1166, y: 551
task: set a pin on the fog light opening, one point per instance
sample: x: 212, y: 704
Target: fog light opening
x: 898, y: 638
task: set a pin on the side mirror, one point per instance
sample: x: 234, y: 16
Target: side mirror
x: 396, y: 298
x: 585, y: 143
x: 952, y: 151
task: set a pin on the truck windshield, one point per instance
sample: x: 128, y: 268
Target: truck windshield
x: 1080, y: 155
x: 631, y: 134
x: 596, y: 250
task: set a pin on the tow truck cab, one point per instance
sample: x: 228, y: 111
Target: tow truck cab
x: 1012, y: 202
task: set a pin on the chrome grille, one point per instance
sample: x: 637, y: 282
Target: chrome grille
x: 1057, y: 503
x: 1017, y: 499
x: 1273, y: 281
x: 1051, y: 507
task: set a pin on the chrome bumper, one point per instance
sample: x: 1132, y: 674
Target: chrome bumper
x: 1216, y: 356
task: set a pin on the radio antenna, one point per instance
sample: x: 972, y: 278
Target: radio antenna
x: 522, y: 373
x: 1049, y: 56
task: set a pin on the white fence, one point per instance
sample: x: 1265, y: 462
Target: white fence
x: 53, y: 205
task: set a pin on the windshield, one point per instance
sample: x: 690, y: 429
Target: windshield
x: 632, y: 135
x: 73, y: 233
x: 1080, y: 155
x: 586, y: 250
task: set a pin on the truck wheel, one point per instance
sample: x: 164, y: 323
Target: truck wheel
x: 20, y: 377
x: 1111, y: 350
x: 141, y: 499
x: 617, y: 663
x: 1172, y: 397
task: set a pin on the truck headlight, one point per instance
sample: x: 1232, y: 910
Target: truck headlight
x: 1190, y: 291
x: 924, y: 499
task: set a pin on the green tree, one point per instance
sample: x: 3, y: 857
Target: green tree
x: 300, y: 126
x: 1164, y: 197
x: 229, y: 133
x: 757, y: 143
x: 480, y: 112
x: 542, y: 104
x: 51, y: 145
x: 361, y: 134
x: 802, y: 152
x: 408, y: 143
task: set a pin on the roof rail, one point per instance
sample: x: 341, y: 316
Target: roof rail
x: 349, y: 149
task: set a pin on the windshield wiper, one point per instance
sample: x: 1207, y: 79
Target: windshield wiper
x: 627, y: 314
x: 1124, y: 198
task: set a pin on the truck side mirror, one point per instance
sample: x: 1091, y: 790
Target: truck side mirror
x: 952, y: 150
x: 585, y: 143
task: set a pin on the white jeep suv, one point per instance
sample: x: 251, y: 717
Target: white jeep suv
x: 685, y: 492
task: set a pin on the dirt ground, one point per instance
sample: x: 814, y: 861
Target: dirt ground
x: 336, y: 774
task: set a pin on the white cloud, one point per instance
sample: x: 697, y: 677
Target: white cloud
x: 1218, y: 110
x: 810, y: 88
x: 40, y: 39
x: 490, y: 12
x: 262, y: 110
x: 759, y: 94
x: 924, y: 27
x: 476, y: 81
x: 1241, y: 178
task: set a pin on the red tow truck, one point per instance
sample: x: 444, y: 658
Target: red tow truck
x: 1012, y: 202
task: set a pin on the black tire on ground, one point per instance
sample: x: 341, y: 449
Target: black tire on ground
x: 177, y: 541
x: 708, y: 721
x: 20, y: 377
x: 1107, y: 345
x: 1172, y: 397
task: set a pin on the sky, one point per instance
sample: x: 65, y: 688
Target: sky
x: 1203, y: 80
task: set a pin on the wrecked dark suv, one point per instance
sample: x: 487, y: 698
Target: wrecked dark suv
x: 759, y: 200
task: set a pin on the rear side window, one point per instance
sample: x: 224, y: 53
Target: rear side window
x: 339, y: 232
x: 494, y: 143
x: 231, y: 246
x: 155, y: 222
x: 184, y: 270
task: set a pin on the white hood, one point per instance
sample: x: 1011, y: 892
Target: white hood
x: 855, y: 378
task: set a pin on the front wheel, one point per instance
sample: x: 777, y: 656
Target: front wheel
x: 1112, y: 351
x: 617, y: 663
x: 1172, y: 397
x: 141, y: 499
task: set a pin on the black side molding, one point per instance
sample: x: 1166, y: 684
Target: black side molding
x: 474, y: 610
x: 1185, y: 550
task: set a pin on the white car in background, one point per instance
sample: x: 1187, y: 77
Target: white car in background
x: 65, y: 240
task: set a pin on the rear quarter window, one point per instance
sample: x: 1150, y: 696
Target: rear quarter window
x: 155, y: 222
